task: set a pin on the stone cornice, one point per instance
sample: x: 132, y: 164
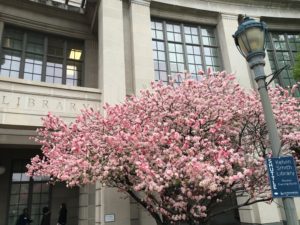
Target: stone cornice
x: 260, y: 3
x: 141, y: 2
x: 282, y: 24
x: 253, y: 8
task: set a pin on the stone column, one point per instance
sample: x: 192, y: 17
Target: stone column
x: 1, y: 34
x: 141, y: 39
x: 143, y: 74
x: 111, y: 73
x: 1, y: 30
x: 90, y: 78
x: 232, y: 59
x: 111, y: 69
x: 87, y: 205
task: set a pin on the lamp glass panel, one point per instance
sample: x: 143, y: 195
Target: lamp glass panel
x: 255, y: 38
x: 243, y: 44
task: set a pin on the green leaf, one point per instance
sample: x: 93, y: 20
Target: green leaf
x: 296, y: 69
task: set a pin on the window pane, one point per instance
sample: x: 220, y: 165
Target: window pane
x: 159, y: 35
x: 10, y: 65
x: 35, y: 43
x: 15, y: 188
x: 13, y: 38
x: 179, y: 48
x: 196, y: 50
x: 282, y: 47
x: 54, y: 68
x: 36, y: 53
x: 185, y: 52
x: 55, y: 46
x: 24, y: 188
x: 36, y: 198
x: 75, y: 54
x: 160, y: 46
x: 45, y: 187
x: 23, y: 199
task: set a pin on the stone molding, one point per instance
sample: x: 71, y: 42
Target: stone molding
x: 228, y: 16
x: 254, y: 9
x: 141, y: 2
x: 190, y: 15
x: 282, y: 24
x: 10, y: 82
x: 261, y: 3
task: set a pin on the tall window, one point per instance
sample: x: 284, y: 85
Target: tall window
x: 178, y: 47
x: 25, y: 192
x: 282, y: 49
x: 34, y: 56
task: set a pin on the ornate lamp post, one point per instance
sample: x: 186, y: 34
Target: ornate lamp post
x: 250, y: 41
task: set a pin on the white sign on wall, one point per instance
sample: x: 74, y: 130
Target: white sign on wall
x: 109, y: 218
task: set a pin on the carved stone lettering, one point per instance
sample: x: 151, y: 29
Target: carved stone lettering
x: 4, y: 100
x: 59, y: 106
x: 45, y: 104
x: 31, y: 102
x: 73, y: 106
x: 18, y: 101
x: 86, y: 106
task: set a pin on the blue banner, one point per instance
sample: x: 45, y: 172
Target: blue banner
x: 283, y: 177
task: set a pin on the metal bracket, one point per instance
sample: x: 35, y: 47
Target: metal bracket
x: 276, y: 73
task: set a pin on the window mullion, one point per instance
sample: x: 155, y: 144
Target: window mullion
x: 81, y: 79
x: 166, y: 49
x: 29, y: 201
x: 184, y: 48
x: 275, y: 58
x: 23, y: 56
x: 220, y: 57
x: 201, y: 49
x: 64, y: 69
x: 45, y: 59
x: 289, y: 49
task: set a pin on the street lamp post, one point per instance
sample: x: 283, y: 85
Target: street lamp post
x: 250, y: 41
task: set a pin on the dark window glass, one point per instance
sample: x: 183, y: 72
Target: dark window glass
x: 282, y: 48
x: 31, y: 193
x: 178, y: 47
x: 39, y: 57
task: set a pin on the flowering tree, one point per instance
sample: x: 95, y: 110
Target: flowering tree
x: 178, y: 151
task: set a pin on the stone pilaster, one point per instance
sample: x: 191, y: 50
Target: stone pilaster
x: 90, y: 78
x: 233, y: 61
x: 111, y: 73
x: 111, y: 69
x: 1, y: 34
x: 87, y: 205
x: 141, y: 41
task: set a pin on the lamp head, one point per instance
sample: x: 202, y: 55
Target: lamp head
x: 250, y: 37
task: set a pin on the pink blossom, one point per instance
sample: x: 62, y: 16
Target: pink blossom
x: 171, y: 146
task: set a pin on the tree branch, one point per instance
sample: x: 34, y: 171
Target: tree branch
x: 246, y: 203
x: 146, y: 206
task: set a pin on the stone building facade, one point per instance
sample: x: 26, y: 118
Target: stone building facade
x: 61, y: 56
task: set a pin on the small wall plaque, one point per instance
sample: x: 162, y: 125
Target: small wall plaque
x: 109, y: 218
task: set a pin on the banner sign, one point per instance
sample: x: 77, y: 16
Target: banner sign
x: 283, y: 177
